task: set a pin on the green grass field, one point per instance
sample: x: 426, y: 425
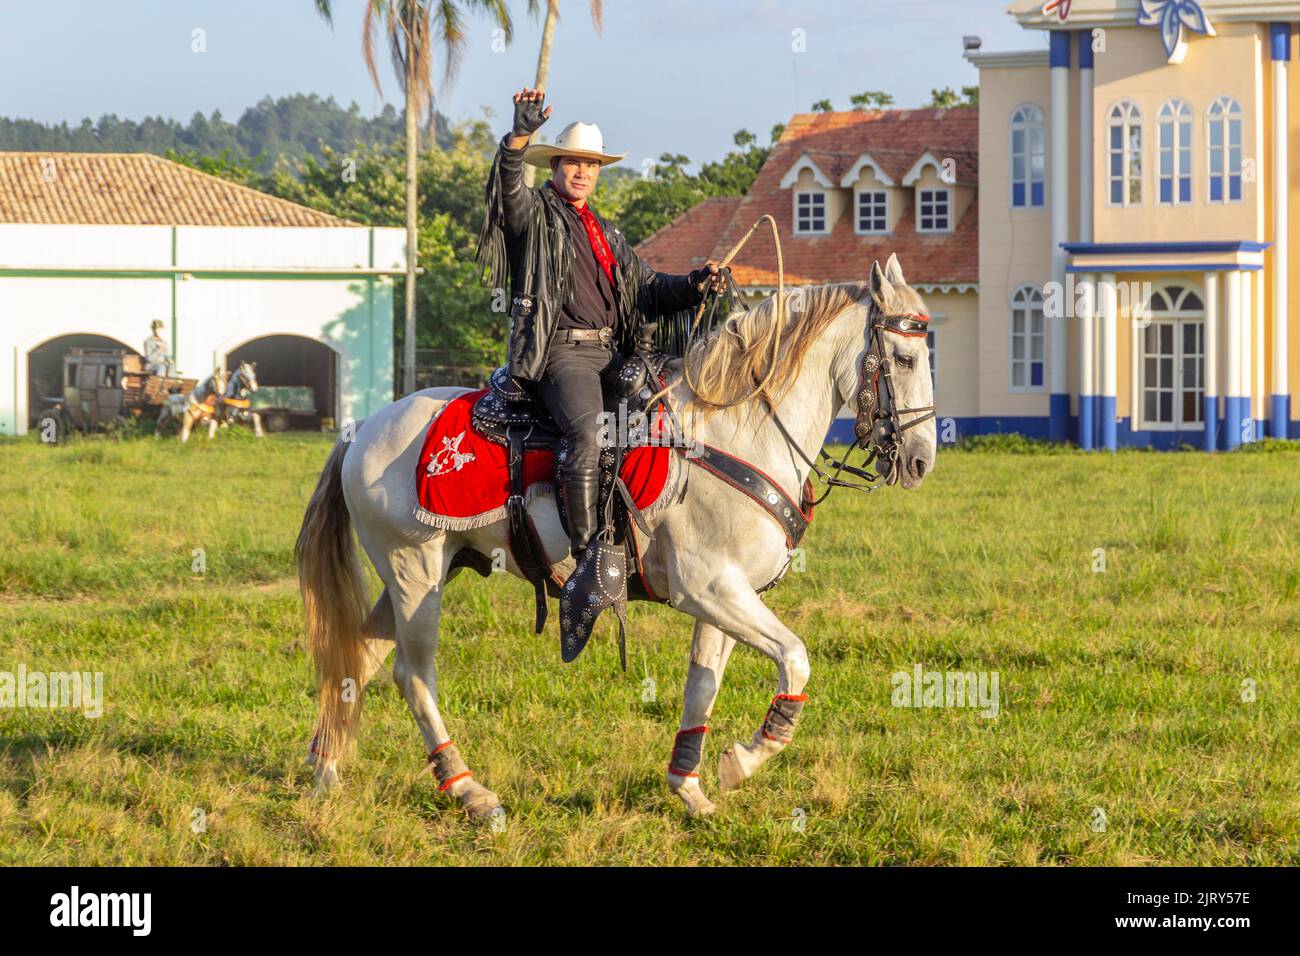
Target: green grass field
x: 1120, y: 690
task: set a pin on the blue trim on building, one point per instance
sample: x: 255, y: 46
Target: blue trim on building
x: 1060, y: 49
x: 1059, y: 414
x: 1279, y: 37
x: 841, y: 432
x: 1085, y: 49
x: 1086, y: 427
x: 1151, y: 248
x: 1159, y: 440
x: 1210, y: 415
x: 1236, y: 410
x: 1106, y: 422
x: 1164, y: 267
x: 1279, y: 416
x: 1109, y: 433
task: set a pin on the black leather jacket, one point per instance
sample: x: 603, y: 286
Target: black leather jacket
x: 524, y: 232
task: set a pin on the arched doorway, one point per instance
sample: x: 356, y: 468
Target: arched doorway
x: 1171, y: 362
x: 45, y: 367
x: 293, y: 361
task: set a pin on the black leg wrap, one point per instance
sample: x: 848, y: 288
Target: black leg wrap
x: 783, y: 716
x: 688, y: 750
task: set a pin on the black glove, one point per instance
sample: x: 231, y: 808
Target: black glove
x: 528, y: 117
x: 700, y: 279
x: 645, y: 338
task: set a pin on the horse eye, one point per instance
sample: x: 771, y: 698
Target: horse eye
x: 906, y: 361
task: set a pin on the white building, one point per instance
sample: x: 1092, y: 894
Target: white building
x: 93, y: 247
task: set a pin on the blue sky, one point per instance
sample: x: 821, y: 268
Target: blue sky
x: 667, y: 75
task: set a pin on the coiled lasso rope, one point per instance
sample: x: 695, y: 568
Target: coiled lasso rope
x: 774, y: 333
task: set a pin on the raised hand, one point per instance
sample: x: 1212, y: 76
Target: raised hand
x: 529, y: 115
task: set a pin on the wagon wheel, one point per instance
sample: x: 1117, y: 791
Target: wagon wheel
x: 276, y: 421
x: 58, y: 427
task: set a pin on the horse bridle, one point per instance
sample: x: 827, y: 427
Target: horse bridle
x: 879, y: 425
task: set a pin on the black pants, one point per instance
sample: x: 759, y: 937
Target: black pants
x: 575, y: 392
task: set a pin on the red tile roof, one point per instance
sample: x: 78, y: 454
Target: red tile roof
x: 895, y: 139
x: 137, y: 189
x: 683, y: 245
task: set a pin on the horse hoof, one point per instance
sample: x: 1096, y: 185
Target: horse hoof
x: 698, y: 805
x: 688, y: 789
x: 327, y: 781
x: 480, y: 805
x: 730, y: 772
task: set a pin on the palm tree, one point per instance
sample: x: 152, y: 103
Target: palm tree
x: 412, y: 28
x: 544, y: 54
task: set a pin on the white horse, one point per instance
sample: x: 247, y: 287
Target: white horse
x: 709, y: 552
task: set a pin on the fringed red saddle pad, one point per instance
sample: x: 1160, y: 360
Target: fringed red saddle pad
x: 462, y: 480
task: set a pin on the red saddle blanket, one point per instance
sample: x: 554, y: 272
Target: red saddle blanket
x: 462, y: 479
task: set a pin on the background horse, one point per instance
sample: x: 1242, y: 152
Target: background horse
x: 196, y: 407
x: 711, y: 549
x: 234, y: 406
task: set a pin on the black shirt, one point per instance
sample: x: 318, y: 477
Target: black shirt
x: 591, y: 304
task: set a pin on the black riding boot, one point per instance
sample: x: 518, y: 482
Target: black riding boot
x: 581, y: 497
x: 600, y: 578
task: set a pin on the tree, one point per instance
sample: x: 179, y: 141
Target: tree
x: 407, y: 25
x: 822, y: 106
x: 947, y: 99
x: 871, y: 98
x: 544, y: 54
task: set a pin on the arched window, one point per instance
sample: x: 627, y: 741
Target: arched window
x: 1028, y: 340
x: 1125, y: 154
x: 1223, y: 140
x: 1027, y: 158
x: 1175, y: 170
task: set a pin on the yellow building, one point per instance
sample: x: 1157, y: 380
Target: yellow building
x: 1133, y: 247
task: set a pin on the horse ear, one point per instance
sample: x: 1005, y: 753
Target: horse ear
x: 894, y: 271
x: 882, y: 290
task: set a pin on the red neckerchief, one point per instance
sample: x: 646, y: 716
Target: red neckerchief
x: 595, y: 237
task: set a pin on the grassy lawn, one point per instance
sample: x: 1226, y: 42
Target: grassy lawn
x: 1120, y: 691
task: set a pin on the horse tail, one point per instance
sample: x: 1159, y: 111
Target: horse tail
x: 334, y: 597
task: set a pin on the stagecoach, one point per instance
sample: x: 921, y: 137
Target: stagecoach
x: 107, y: 389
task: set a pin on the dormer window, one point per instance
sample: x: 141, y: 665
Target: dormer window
x: 935, y: 210
x: 871, y: 187
x: 873, y: 211
x: 810, y: 191
x: 809, y: 213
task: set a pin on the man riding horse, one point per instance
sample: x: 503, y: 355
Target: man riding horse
x: 581, y: 298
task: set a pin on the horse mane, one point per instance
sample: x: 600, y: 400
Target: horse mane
x: 728, y: 364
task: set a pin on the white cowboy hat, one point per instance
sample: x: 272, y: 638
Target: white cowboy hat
x: 576, y: 139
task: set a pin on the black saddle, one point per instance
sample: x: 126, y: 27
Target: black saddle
x: 509, y: 414
x: 510, y: 407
